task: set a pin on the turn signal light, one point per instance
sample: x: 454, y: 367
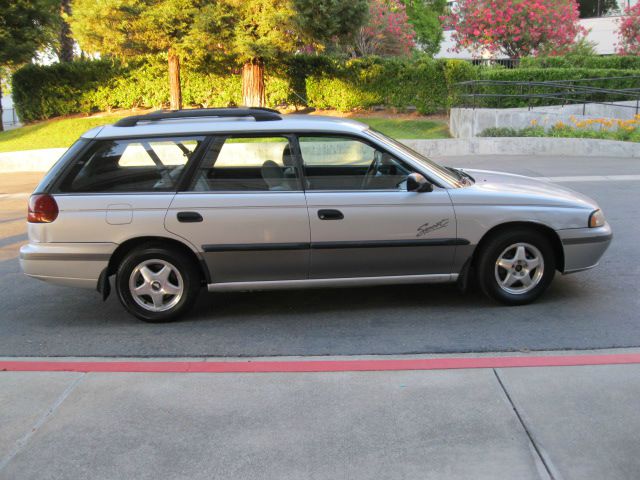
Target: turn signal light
x: 596, y: 219
x: 42, y: 209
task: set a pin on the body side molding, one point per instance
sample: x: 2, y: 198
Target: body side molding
x: 331, y: 282
x: 253, y: 247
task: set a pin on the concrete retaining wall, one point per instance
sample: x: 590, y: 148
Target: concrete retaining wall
x: 469, y: 122
x: 30, y: 160
x: 42, y: 160
x: 570, y: 147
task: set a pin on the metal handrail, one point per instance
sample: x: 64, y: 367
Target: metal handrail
x: 559, y: 92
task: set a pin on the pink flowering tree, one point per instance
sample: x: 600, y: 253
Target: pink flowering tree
x: 387, y: 31
x: 629, y: 31
x: 516, y: 28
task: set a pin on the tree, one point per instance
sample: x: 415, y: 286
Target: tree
x: 516, y: 28
x: 425, y: 15
x: 65, y: 40
x: 266, y: 29
x: 387, y: 31
x: 329, y: 21
x: 629, y: 31
x: 262, y: 30
x: 178, y: 28
x: 24, y: 28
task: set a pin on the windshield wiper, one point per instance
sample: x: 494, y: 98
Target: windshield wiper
x: 463, y: 176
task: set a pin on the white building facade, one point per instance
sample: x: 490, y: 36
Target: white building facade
x: 600, y: 17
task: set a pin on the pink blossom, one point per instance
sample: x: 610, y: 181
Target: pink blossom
x: 516, y: 27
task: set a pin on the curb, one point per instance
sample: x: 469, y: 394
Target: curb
x: 43, y: 160
x: 570, y: 147
x: 300, y: 366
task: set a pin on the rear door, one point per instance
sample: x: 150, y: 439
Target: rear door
x: 119, y: 189
x: 245, y: 210
x: 364, y: 222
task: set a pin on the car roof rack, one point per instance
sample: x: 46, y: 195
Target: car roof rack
x: 258, y: 114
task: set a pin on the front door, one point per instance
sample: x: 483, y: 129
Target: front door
x: 364, y: 222
x: 245, y: 210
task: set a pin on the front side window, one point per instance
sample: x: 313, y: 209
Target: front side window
x: 343, y: 163
x: 248, y: 164
x: 132, y: 165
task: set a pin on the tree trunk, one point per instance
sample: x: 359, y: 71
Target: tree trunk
x: 175, y: 90
x: 1, y: 111
x: 66, y: 40
x: 253, y: 83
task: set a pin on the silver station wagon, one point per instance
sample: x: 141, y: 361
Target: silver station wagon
x: 247, y: 199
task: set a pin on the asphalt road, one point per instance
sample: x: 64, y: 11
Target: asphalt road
x: 589, y: 310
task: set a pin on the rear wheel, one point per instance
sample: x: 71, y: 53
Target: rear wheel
x: 157, y: 284
x: 516, y: 267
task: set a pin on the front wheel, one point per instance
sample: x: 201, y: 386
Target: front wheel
x: 157, y: 284
x: 516, y: 267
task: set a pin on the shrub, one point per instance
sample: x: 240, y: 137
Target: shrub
x: 422, y: 82
x: 629, y: 31
x: 41, y: 92
x: 500, y: 132
x: 515, y: 28
x: 317, y: 81
x: 621, y: 130
x: 617, y: 62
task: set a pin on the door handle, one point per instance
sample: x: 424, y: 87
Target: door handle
x: 330, y: 215
x: 189, y: 217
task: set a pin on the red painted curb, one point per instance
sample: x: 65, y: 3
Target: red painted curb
x: 318, y: 365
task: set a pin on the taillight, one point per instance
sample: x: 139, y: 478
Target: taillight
x: 42, y: 209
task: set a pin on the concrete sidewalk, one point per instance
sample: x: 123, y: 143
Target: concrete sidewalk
x: 516, y: 423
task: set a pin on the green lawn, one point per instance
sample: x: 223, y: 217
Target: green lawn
x: 50, y: 134
x: 63, y: 132
x: 408, y: 129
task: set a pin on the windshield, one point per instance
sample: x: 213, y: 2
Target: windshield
x: 451, y: 175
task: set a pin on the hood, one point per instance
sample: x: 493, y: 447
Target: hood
x: 507, y: 188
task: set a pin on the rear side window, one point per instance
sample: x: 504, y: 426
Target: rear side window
x: 132, y: 165
x: 68, y: 156
x: 238, y: 164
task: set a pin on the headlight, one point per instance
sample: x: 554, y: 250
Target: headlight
x: 596, y: 219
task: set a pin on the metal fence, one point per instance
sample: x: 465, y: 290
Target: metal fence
x: 10, y: 118
x: 509, y: 94
x: 493, y: 62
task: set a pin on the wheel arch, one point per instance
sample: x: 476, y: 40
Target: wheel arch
x: 548, y: 232
x: 125, y: 247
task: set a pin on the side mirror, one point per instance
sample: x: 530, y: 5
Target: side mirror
x: 417, y: 183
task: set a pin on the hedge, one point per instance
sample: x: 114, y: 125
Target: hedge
x: 59, y: 89
x: 616, y: 62
x: 42, y: 92
x: 317, y: 81
x: 550, y: 74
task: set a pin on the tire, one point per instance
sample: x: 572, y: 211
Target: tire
x: 507, y: 270
x: 168, y: 282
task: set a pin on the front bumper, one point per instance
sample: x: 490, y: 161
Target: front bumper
x: 583, y: 247
x: 70, y: 264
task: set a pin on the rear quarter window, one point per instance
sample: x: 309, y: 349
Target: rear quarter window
x: 49, y: 179
x: 131, y: 165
